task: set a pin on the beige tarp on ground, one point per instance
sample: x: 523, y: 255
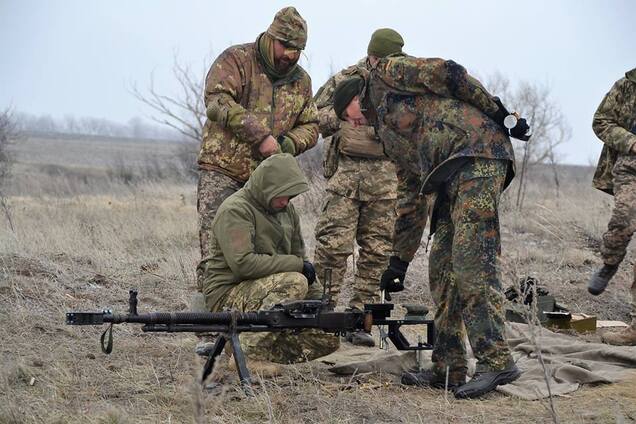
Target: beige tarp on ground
x: 570, y: 362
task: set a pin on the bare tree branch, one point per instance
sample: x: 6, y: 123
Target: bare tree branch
x: 549, y: 127
x: 184, y: 112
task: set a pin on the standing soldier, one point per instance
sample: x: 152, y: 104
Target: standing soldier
x: 446, y: 134
x: 362, y: 191
x: 615, y: 124
x: 259, y: 102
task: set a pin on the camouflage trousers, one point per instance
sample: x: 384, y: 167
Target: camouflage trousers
x: 622, y: 223
x: 464, y: 269
x: 212, y: 190
x: 370, y: 224
x: 280, y: 347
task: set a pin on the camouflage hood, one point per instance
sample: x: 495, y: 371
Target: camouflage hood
x: 277, y: 176
x: 631, y: 75
x: 289, y: 27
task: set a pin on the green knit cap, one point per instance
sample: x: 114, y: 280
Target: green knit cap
x: 345, y: 91
x: 385, y: 41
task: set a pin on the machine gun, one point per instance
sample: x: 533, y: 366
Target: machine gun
x: 292, y: 316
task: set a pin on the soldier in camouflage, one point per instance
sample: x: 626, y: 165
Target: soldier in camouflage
x: 259, y: 102
x: 615, y: 124
x: 445, y: 133
x: 257, y: 259
x: 361, y: 193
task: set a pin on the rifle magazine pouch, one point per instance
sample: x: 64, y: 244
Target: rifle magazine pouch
x: 330, y: 155
x: 360, y: 142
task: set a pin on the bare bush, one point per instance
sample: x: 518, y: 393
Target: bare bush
x: 550, y: 128
x: 184, y: 112
x: 7, y: 133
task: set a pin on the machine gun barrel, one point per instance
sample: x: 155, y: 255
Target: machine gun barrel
x: 166, y: 318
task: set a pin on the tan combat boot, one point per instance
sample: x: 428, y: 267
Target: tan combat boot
x: 625, y: 337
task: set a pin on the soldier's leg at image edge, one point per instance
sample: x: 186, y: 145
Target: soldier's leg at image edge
x: 335, y: 232
x: 622, y: 223
x: 374, y: 236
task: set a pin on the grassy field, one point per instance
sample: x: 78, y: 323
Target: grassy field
x: 92, y: 218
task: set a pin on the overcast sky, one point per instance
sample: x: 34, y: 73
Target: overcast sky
x: 79, y: 57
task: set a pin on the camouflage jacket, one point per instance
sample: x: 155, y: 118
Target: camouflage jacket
x: 356, y: 178
x: 432, y: 118
x: 244, y: 107
x: 615, y: 124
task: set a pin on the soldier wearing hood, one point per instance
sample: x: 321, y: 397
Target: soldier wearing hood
x: 257, y: 259
x: 615, y: 124
x: 446, y: 135
x: 259, y: 102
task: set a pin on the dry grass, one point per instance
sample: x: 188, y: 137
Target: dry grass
x: 77, y: 250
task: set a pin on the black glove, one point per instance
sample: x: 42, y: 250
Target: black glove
x: 520, y: 130
x: 392, y: 279
x: 501, y: 113
x: 309, y: 272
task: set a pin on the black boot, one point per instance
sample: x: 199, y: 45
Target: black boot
x: 360, y: 338
x: 486, y: 382
x: 599, y: 280
x: 429, y: 378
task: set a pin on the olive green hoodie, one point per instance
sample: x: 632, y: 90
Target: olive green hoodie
x: 250, y: 239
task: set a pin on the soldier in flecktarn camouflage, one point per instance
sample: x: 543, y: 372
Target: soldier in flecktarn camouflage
x: 259, y: 102
x: 362, y: 193
x: 615, y: 124
x: 257, y: 259
x: 446, y: 135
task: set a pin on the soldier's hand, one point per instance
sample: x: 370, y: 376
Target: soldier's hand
x: 633, y: 150
x: 287, y: 145
x: 268, y: 146
x: 309, y: 272
x: 521, y: 131
x: 392, y: 279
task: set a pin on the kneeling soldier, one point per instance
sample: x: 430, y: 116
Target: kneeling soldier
x: 257, y: 259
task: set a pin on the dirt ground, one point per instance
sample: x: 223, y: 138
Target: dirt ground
x: 66, y: 248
